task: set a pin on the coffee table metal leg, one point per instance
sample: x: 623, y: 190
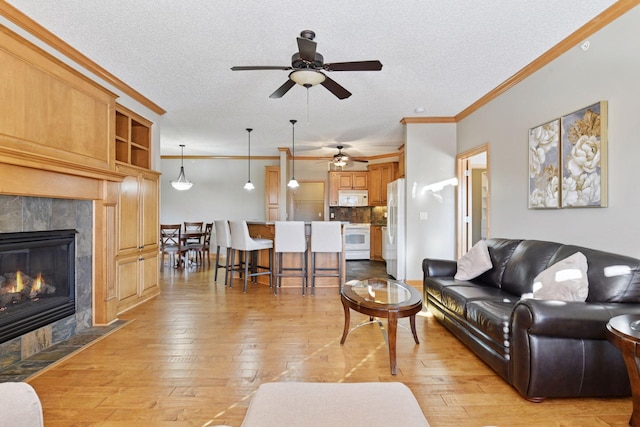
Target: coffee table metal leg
x: 412, y: 321
x: 393, y: 328
x: 346, y: 322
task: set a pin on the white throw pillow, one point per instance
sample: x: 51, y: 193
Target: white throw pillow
x: 474, y: 263
x: 565, y: 280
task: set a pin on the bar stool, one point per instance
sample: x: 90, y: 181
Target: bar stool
x: 223, y: 240
x: 326, y: 237
x: 290, y: 238
x: 241, y: 241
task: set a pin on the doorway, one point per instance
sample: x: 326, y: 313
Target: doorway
x: 308, y: 201
x: 472, y: 213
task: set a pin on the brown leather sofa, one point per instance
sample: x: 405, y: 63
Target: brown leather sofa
x: 542, y: 348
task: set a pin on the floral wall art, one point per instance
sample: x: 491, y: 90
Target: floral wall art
x: 544, y: 170
x: 567, y: 160
x: 584, y: 157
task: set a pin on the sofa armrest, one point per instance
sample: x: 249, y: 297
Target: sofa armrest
x: 580, y: 320
x: 439, y: 267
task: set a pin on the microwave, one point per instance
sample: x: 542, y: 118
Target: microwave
x: 353, y: 198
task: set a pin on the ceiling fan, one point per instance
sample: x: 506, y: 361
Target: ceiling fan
x: 340, y: 159
x: 307, y: 66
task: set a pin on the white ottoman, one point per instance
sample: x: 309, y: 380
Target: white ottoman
x: 373, y: 404
x: 20, y: 405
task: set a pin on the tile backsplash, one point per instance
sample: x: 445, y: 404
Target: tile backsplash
x: 363, y: 215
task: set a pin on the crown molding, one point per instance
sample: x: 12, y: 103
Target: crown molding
x: 37, y: 30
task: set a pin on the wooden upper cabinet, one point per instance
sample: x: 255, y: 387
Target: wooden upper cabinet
x: 132, y: 139
x: 360, y: 180
x: 353, y: 180
x: 50, y: 111
x: 334, y: 183
x: 272, y: 192
x: 379, y: 176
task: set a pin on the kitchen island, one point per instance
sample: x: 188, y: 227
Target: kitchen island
x: 266, y: 230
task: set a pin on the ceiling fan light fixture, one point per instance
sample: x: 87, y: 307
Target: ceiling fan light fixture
x: 182, y: 183
x: 307, y: 78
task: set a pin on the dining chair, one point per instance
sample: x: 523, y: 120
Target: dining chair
x: 171, y: 244
x: 243, y: 243
x: 201, y: 250
x: 326, y: 237
x: 290, y: 238
x: 192, y: 234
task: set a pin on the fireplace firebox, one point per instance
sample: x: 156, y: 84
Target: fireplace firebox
x: 37, y: 280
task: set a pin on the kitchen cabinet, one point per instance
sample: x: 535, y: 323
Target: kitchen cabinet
x: 346, y: 181
x: 272, y: 192
x: 137, y: 237
x: 353, y: 180
x: 376, y: 243
x: 379, y: 176
x: 334, y: 178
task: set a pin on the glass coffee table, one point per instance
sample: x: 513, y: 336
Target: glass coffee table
x: 381, y: 298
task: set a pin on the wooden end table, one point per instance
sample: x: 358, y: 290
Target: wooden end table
x: 624, y: 332
x: 383, y: 298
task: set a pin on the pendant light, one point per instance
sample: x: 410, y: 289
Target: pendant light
x: 182, y: 183
x: 292, y: 182
x: 249, y: 186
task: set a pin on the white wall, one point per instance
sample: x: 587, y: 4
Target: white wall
x: 217, y: 191
x: 609, y: 70
x: 430, y: 158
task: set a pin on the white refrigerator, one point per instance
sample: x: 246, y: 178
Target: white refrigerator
x: 396, y: 230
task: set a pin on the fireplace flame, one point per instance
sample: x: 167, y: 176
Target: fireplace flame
x: 19, y: 285
x: 37, y: 284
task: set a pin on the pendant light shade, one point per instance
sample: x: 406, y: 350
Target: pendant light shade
x: 293, y: 183
x: 249, y: 186
x: 182, y: 183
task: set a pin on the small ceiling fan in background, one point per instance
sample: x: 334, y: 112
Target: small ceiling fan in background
x: 307, y: 67
x: 341, y: 159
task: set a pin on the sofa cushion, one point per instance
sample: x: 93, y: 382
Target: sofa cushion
x: 456, y: 298
x: 565, y: 280
x: 528, y: 260
x: 492, y: 317
x: 612, y: 277
x: 475, y: 262
x: 500, y: 251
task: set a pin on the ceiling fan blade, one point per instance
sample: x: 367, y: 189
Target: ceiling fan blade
x: 260, y: 67
x: 307, y: 49
x: 354, y: 66
x: 283, y: 89
x: 335, y: 88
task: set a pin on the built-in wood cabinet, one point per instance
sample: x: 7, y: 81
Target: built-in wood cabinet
x: 137, y: 237
x: 346, y: 181
x: 272, y: 192
x: 132, y: 139
x: 376, y: 243
x: 379, y: 176
x: 334, y: 179
x: 353, y: 180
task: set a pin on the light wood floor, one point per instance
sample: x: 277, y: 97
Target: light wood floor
x: 194, y: 355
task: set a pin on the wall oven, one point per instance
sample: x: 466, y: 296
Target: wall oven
x: 356, y: 241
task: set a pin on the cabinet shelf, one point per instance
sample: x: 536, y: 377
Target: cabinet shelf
x: 132, y: 139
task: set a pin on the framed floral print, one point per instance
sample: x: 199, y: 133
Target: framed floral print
x: 584, y: 157
x: 544, y: 166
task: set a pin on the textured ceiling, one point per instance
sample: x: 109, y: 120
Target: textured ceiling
x: 438, y: 55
